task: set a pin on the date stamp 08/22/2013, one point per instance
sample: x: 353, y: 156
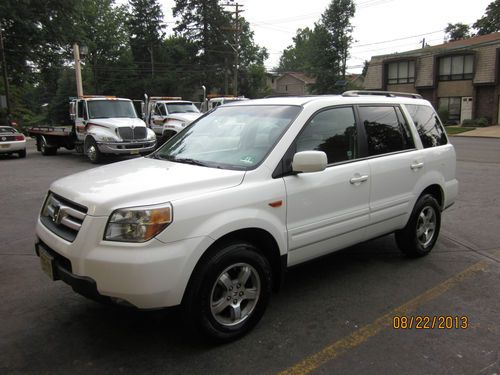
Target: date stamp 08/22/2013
x: 430, y: 322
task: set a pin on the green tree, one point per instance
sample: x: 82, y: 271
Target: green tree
x: 101, y: 28
x: 300, y: 55
x: 457, y: 31
x: 146, y: 27
x: 490, y: 22
x: 337, y: 22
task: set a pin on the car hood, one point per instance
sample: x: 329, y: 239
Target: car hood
x: 117, y: 122
x: 142, y: 181
x: 184, y: 117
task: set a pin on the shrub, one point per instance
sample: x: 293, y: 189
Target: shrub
x: 444, y: 115
x: 469, y: 123
x: 482, y: 122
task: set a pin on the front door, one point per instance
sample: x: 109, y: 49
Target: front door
x: 466, y: 111
x: 328, y: 210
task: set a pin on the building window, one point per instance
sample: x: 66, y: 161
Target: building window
x: 451, y: 106
x: 401, y: 72
x: 454, y: 68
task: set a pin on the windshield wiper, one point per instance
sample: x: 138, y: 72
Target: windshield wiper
x: 189, y: 161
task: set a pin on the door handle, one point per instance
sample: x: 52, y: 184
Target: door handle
x: 358, y: 179
x: 415, y: 166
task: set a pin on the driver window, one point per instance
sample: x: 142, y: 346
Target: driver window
x: 160, y: 110
x: 332, y: 131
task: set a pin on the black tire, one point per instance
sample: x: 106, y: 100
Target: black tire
x: 45, y: 149
x: 22, y: 154
x: 230, y: 263
x: 95, y: 156
x: 420, y: 234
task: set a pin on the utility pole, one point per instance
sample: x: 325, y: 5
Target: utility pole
x: 236, y: 47
x: 423, y: 43
x: 78, y: 71
x: 5, y: 78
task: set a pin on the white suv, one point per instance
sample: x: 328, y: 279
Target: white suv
x: 212, y: 219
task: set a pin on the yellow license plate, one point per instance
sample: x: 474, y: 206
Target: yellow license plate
x: 47, y: 262
x: 4, y: 146
x: 135, y: 152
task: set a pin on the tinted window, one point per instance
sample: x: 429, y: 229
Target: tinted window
x: 428, y: 125
x: 386, y: 131
x: 332, y: 131
x: 160, y: 109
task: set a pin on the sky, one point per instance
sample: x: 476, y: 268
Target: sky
x: 380, y: 26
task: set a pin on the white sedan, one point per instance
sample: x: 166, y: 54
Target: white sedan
x: 12, y: 141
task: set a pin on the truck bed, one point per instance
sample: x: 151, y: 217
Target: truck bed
x: 62, y: 131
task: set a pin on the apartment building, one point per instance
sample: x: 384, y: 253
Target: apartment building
x: 459, y: 78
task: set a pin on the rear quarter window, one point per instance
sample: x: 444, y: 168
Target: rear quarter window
x: 429, y: 127
x: 386, y: 130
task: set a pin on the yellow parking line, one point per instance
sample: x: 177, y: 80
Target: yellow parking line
x: 363, y: 334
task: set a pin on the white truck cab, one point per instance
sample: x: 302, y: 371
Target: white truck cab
x: 167, y: 116
x: 212, y: 219
x: 217, y: 101
x: 109, y: 125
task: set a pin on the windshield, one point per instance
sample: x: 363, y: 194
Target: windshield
x: 238, y: 137
x: 111, y: 108
x: 182, y: 108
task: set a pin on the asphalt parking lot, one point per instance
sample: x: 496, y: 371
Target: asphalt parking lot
x: 334, y: 315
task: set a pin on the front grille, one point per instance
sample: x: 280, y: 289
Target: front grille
x: 130, y: 134
x: 62, y: 216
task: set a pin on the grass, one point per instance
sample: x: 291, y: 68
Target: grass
x: 452, y: 130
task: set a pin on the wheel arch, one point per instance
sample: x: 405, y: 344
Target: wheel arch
x: 261, y: 239
x: 436, y: 191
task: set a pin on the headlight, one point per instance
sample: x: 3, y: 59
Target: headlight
x: 138, y: 224
x: 107, y: 139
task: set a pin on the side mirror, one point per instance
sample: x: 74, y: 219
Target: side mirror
x: 309, y: 161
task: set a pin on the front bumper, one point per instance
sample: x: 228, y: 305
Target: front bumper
x: 126, y: 148
x: 147, y: 275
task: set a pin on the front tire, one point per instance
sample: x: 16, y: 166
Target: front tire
x: 419, y: 236
x: 229, y: 292
x: 93, y: 153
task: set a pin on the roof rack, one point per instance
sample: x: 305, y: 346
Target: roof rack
x: 391, y: 94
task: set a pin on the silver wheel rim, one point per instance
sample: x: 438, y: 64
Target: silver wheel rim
x: 92, y: 152
x: 43, y: 146
x: 235, y: 294
x: 426, y: 226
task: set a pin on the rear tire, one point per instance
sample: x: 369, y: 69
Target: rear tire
x: 45, y: 149
x: 229, y: 292
x: 419, y: 236
x: 22, y: 154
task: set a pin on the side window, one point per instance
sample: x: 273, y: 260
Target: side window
x: 160, y: 109
x: 80, y: 105
x: 429, y: 127
x: 332, y: 131
x: 386, y: 130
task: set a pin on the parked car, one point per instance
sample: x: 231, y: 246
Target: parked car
x: 212, y: 220
x: 12, y: 141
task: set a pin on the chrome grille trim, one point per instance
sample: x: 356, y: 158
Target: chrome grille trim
x: 62, y: 217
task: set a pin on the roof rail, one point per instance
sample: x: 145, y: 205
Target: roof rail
x: 391, y: 94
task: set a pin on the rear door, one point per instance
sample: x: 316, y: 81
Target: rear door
x: 395, y: 164
x: 328, y: 210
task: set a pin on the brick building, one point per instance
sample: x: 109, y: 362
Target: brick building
x: 460, y: 78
